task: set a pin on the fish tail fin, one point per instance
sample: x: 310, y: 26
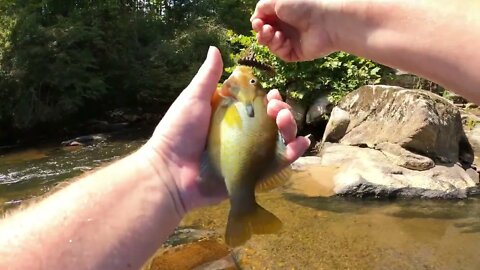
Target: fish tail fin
x: 240, y: 227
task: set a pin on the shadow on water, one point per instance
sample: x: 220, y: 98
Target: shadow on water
x: 464, y: 213
x: 336, y: 204
x: 469, y: 227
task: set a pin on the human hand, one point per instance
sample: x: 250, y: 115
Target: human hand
x: 179, y: 139
x: 294, y: 30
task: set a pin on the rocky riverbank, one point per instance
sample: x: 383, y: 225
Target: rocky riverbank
x: 387, y: 141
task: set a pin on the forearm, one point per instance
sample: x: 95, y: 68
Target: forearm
x: 114, y: 218
x: 437, y: 39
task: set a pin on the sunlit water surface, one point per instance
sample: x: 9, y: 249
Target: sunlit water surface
x: 318, y: 233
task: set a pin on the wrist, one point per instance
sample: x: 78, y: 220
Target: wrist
x: 352, y: 25
x: 159, y: 168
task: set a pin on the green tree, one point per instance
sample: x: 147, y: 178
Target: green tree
x: 338, y: 73
x: 64, y: 59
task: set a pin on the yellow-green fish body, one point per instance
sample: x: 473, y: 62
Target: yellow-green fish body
x: 243, y: 146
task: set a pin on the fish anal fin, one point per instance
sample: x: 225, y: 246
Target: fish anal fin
x: 274, y: 181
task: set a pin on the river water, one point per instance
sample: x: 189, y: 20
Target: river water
x: 318, y: 232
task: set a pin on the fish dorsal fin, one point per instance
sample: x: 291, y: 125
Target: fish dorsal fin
x: 274, y: 181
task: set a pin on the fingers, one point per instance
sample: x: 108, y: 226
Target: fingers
x: 274, y: 38
x: 257, y: 25
x: 278, y: 41
x: 265, y: 35
x: 265, y: 10
x: 264, y: 21
x: 274, y: 94
x: 268, y: 35
x: 274, y: 106
x: 296, y: 148
x: 286, y: 51
x: 287, y: 125
x: 205, y: 82
x: 282, y: 113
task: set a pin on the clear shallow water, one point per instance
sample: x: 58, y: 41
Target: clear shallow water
x: 318, y: 233
x: 27, y: 174
x: 338, y: 233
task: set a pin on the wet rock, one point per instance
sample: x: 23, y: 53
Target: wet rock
x: 418, y: 121
x: 473, y: 136
x: 469, y: 119
x: 85, y: 140
x: 337, y: 125
x: 319, y: 110
x: 226, y: 263
x: 303, y: 163
x: 189, y: 256
x: 471, y: 105
x: 126, y: 115
x: 404, y: 158
x: 299, y: 111
x: 72, y: 143
x: 404, y: 79
x: 407, y: 80
x: 364, y: 172
x: 456, y: 98
x: 311, y: 179
x: 473, y: 174
x: 189, y: 235
x: 190, y: 248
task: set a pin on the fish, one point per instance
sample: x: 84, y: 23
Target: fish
x: 245, y: 150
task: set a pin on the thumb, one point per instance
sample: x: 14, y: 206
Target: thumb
x: 205, y: 82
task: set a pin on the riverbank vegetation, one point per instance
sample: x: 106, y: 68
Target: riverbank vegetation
x: 69, y: 61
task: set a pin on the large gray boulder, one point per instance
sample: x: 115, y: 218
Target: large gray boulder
x: 416, y: 120
x: 386, y: 141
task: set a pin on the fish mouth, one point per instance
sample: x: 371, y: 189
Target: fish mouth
x: 250, y: 110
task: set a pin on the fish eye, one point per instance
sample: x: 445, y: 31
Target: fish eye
x: 253, y: 81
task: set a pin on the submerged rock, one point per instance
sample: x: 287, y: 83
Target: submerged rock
x: 195, y: 255
x: 85, y: 140
x: 191, y: 248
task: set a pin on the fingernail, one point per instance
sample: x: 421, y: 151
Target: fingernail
x: 210, y: 50
x: 308, y: 139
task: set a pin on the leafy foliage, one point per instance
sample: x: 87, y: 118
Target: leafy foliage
x: 70, y: 60
x: 64, y: 59
x: 338, y: 73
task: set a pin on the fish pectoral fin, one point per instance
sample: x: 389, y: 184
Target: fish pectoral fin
x: 240, y: 227
x: 274, y: 181
x: 211, y: 182
x: 279, y: 170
